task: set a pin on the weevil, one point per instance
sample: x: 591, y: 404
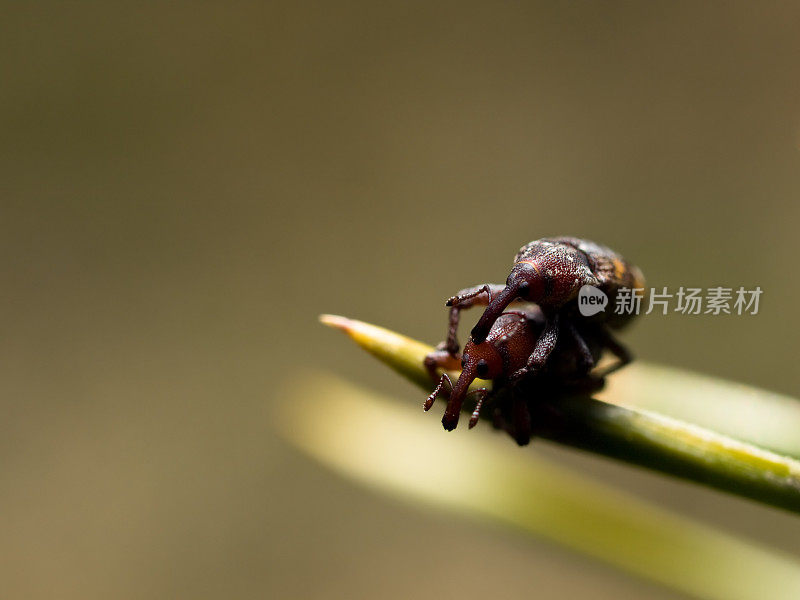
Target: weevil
x: 548, y: 273
x: 510, y: 341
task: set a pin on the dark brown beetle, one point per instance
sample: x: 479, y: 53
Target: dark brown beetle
x: 548, y: 272
x: 505, y: 350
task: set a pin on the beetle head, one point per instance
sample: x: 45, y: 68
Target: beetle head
x: 549, y: 276
x: 481, y: 361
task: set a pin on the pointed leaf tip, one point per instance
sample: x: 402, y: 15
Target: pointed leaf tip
x: 400, y: 352
x: 335, y: 321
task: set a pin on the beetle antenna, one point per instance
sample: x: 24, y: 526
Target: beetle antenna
x: 436, y: 391
x: 473, y: 420
x: 492, y: 312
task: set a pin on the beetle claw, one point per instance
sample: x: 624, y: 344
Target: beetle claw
x: 519, y: 374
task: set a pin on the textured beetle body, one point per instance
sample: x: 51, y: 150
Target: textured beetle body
x: 550, y: 272
x: 553, y: 337
x: 609, y: 271
x: 511, y: 340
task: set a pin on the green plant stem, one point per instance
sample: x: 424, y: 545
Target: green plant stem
x: 620, y: 431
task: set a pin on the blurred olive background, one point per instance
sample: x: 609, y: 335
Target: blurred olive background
x: 186, y: 186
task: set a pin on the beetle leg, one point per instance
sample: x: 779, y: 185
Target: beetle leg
x: 588, y: 384
x: 466, y: 298
x: 499, y: 421
x: 586, y: 358
x: 451, y: 344
x: 517, y: 424
x: 623, y: 355
x: 522, y: 420
x: 544, y: 346
x: 441, y: 359
x: 471, y: 296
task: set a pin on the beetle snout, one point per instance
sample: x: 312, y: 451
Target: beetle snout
x: 453, y: 410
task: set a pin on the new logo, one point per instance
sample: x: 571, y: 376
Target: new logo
x: 591, y: 300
